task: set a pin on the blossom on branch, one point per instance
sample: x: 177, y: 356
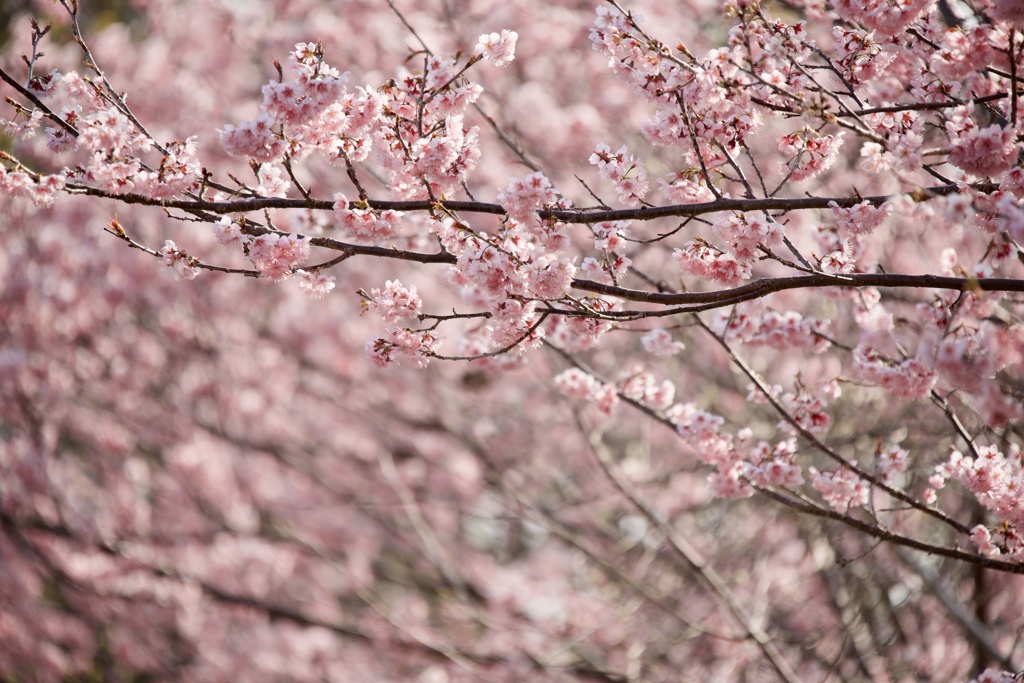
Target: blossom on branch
x: 498, y: 48
x: 315, y: 285
x: 180, y: 265
x: 276, y: 255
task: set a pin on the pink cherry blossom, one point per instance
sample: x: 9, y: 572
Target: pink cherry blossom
x: 255, y: 139
x: 277, y: 255
x: 882, y: 16
x: 315, y: 285
x: 180, y: 265
x: 811, y: 152
x: 985, y: 151
x: 394, y: 303
x: 498, y: 48
x: 524, y: 196
x: 841, y: 488
x: 659, y: 342
x: 624, y: 171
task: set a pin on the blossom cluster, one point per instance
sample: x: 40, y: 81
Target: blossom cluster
x: 366, y: 224
x: 886, y: 18
x: 624, y: 171
x: 997, y: 480
x: 811, y: 153
x: 911, y: 378
x: 740, y: 461
x: 842, y: 488
x: 753, y: 323
x: 576, y: 383
x: 394, y: 303
x: 985, y: 152
x: 41, y: 192
x: 498, y: 48
x: 110, y: 142
x: 608, y: 267
x: 746, y: 238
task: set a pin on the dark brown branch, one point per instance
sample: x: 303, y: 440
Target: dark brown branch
x: 760, y: 288
x: 891, y: 537
x: 576, y: 216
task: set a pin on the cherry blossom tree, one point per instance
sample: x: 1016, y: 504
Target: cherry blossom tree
x: 512, y: 341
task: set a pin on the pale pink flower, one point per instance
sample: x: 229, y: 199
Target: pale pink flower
x: 995, y: 479
x: 610, y: 235
x: 696, y: 425
x: 638, y: 384
x: 875, y: 158
x: 807, y: 410
x: 910, y: 378
x: 511, y: 323
x: 179, y: 264
x: 228, y: 232
x: 315, y: 285
x: 58, y: 140
x: 746, y: 233
x: 751, y: 323
x: 996, y: 676
x: 576, y: 383
x: 681, y: 190
x: 884, y: 16
x: 24, y: 129
x: 82, y: 92
x: 812, y: 152
x: 276, y: 255
x: 780, y: 473
x: 701, y: 259
x: 395, y: 302
x: 577, y: 333
x: 731, y: 480
x: 984, y: 152
x: 46, y: 189
x: 982, y: 540
x: 44, y: 86
x: 498, y: 48
x: 366, y: 225
x: 416, y: 346
x: 107, y: 131
x: 550, y: 277
x: 524, y: 196
x: 861, y: 219
x: 255, y: 139
x: 16, y: 183
x: 862, y: 58
x: 906, y: 152
x: 838, y: 261
x: 891, y: 462
x: 273, y: 182
x: 625, y: 172
x: 659, y: 342
x: 965, y: 51
x: 606, y: 269
x: 842, y: 488
x: 606, y: 399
